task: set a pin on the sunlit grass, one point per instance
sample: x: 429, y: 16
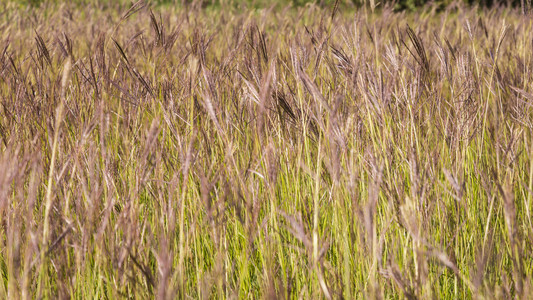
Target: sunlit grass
x: 284, y: 153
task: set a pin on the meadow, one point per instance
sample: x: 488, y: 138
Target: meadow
x: 310, y: 152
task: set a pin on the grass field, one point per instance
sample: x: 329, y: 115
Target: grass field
x: 179, y: 152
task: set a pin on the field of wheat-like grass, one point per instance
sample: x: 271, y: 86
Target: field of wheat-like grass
x: 286, y: 152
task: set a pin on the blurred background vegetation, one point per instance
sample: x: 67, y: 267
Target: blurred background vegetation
x: 397, y: 4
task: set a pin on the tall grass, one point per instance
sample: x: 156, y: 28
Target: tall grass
x: 277, y: 153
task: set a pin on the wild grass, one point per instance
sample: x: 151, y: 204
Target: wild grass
x: 277, y: 153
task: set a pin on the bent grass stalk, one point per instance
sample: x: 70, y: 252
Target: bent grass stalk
x: 49, y: 197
